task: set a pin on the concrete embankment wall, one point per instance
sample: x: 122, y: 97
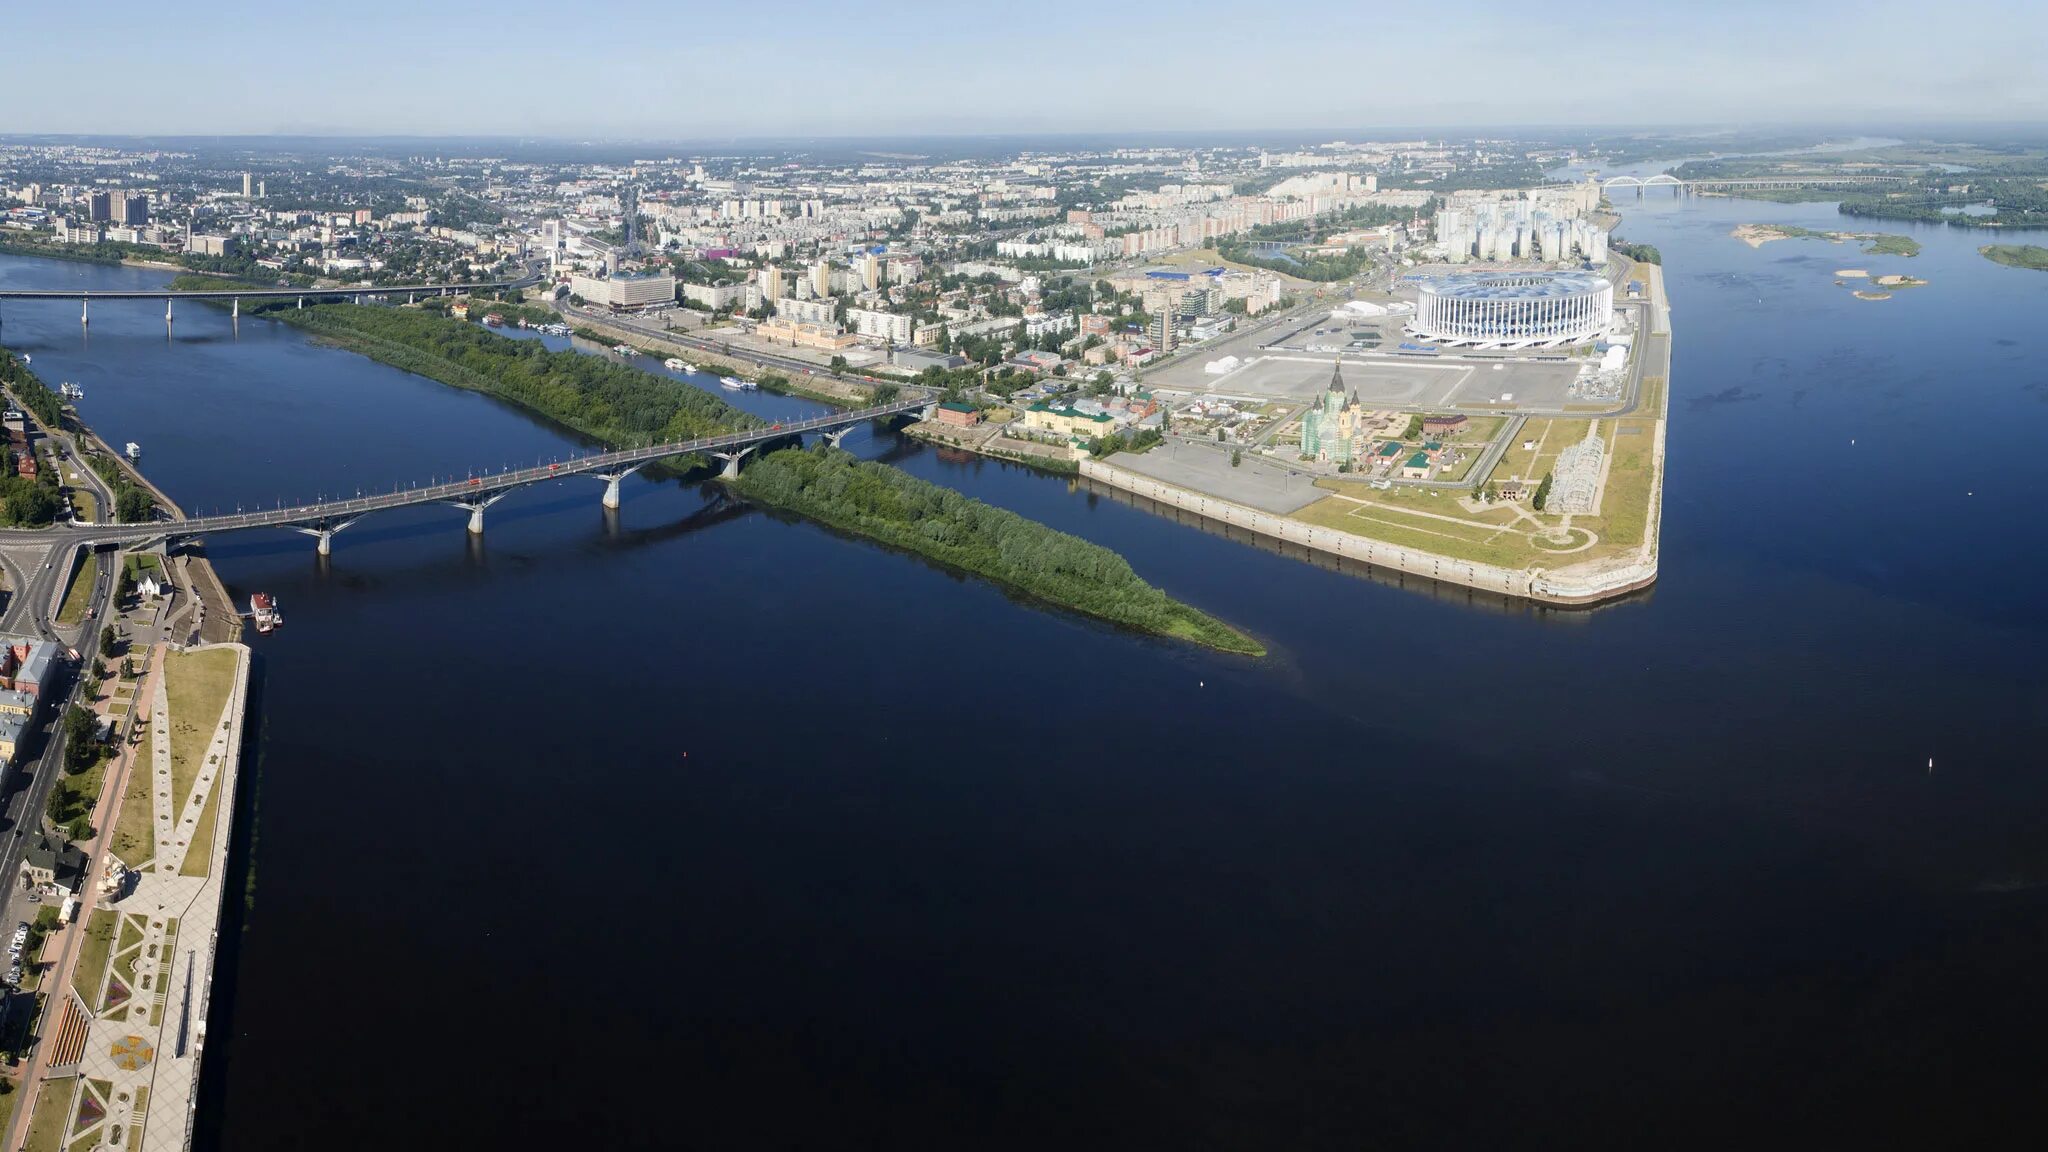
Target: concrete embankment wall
x: 1545, y: 587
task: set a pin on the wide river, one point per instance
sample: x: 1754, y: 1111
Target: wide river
x: 698, y: 827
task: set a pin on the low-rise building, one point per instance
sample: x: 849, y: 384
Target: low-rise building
x: 1043, y: 417
x: 53, y: 860
x: 960, y: 415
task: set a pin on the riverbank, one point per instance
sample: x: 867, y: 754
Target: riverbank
x: 823, y: 389
x: 880, y: 503
x: 81, y: 256
x: 987, y: 440
x: 131, y: 1037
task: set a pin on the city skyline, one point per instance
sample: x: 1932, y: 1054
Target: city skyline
x: 628, y: 69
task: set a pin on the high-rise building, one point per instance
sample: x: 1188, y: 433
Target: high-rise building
x: 870, y: 272
x: 248, y: 185
x: 771, y: 283
x: 1161, y: 333
x: 821, y: 277
x: 99, y: 207
x: 131, y: 209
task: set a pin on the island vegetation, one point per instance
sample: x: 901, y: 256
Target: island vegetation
x: 888, y: 505
x: 598, y: 397
x: 1879, y: 243
x: 2016, y: 255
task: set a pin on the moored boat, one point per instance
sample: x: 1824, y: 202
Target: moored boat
x: 263, y: 610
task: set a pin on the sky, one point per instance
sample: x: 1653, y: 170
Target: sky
x: 669, y: 70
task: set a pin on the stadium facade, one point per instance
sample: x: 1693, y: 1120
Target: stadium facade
x: 1513, y: 309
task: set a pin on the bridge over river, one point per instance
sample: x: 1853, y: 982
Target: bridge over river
x: 321, y: 519
x: 236, y: 294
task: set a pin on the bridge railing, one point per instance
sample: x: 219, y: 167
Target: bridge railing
x: 484, y: 483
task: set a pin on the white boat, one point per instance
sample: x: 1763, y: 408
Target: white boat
x: 625, y: 350
x: 134, y: 450
x: 731, y: 383
x: 675, y: 365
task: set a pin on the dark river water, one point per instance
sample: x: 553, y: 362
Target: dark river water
x: 698, y: 827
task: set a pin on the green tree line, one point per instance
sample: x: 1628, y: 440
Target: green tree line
x: 886, y: 504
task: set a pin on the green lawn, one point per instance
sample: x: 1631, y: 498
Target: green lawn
x: 52, y: 1117
x: 134, y: 832
x: 198, y: 684
x: 1470, y: 540
x: 92, y: 955
x: 85, y: 505
x: 77, y: 592
x: 199, y: 847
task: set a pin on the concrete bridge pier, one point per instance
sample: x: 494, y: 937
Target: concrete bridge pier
x: 84, y: 311
x: 302, y: 303
x: 237, y: 311
x: 611, y: 483
x: 167, y: 311
x: 323, y: 532
x: 476, y: 507
x: 732, y: 460
x: 835, y: 435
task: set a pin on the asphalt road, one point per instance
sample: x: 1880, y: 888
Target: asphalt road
x: 32, y: 581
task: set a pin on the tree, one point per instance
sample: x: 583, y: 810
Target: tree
x: 107, y: 638
x: 1542, y: 496
x: 82, y: 735
x: 837, y: 365
x: 1236, y: 457
x: 134, y: 505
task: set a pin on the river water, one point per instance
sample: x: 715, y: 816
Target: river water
x: 695, y: 826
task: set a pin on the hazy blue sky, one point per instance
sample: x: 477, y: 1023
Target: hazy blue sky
x: 667, y: 70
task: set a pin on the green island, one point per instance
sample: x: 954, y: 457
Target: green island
x: 885, y: 504
x: 622, y: 404
x: 2016, y: 255
x: 1879, y: 243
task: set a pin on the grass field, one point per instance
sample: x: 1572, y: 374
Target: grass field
x: 198, y: 684
x: 85, y: 504
x: 52, y: 1117
x: 134, y: 833
x: 199, y: 849
x: 1625, y: 503
x: 76, y: 592
x: 93, y: 948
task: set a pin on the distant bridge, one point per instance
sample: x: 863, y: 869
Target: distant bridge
x: 472, y: 494
x: 410, y: 291
x: 1667, y: 180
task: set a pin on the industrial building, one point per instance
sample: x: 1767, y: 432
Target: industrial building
x: 1513, y: 310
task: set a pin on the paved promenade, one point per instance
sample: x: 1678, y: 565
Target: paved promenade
x: 140, y: 1067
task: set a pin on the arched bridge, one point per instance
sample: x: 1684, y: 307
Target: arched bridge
x: 474, y: 493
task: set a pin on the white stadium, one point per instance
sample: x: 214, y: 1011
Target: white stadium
x: 1513, y: 309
